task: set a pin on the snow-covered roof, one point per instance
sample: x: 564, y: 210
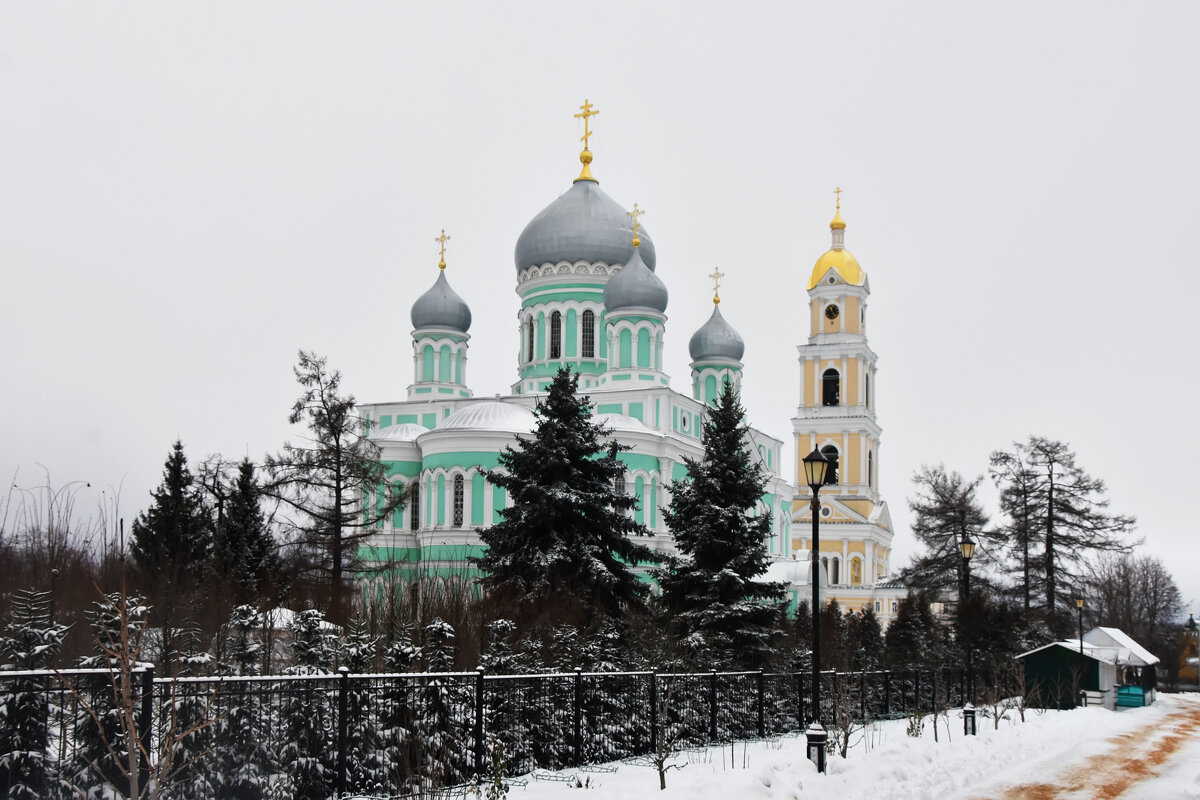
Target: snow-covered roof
x: 619, y: 422
x: 1108, y: 645
x: 404, y: 432
x: 1129, y: 651
x: 490, y: 415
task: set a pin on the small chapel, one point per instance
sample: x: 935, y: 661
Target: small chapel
x: 589, y: 299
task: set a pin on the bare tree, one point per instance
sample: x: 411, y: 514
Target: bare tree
x: 1136, y: 594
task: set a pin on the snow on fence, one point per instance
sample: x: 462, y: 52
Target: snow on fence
x: 309, y: 736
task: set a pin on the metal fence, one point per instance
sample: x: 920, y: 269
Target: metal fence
x: 312, y: 736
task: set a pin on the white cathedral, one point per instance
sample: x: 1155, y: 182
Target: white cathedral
x: 590, y: 300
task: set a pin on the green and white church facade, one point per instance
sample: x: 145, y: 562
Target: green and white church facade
x: 589, y: 299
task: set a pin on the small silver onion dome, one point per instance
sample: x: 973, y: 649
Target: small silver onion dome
x: 716, y: 339
x: 583, y: 224
x: 635, y: 286
x: 441, y: 307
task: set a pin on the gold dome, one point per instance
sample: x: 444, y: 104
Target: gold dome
x: 837, y: 224
x: 841, y: 260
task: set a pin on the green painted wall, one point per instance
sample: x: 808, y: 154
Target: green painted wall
x: 635, y: 411
x: 643, y: 349
x: 478, y: 482
x: 465, y: 458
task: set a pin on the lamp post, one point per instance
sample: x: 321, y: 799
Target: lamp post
x: 1082, y: 663
x: 816, y: 467
x: 967, y: 548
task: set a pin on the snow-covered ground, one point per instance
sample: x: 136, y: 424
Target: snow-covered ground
x: 1145, y: 752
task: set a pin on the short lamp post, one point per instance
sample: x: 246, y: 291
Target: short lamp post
x: 816, y: 467
x: 1082, y: 663
x: 967, y: 548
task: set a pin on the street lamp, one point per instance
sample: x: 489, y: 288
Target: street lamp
x: 1082, y: 663
x: 967, y: 548
x: 816, y: 466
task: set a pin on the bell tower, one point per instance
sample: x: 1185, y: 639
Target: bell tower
x: 837, y: 414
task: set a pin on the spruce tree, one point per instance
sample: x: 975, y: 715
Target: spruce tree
x: 171, y: 541
x: 712, y: 588
x: 307, y: 756
x: 244, y: 557
x: 564, y: 549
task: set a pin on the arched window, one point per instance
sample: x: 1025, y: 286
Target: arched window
x: 831, y: 473
x: 835, y: 571
x: 831, y: 388
x: 556, y: 335
x: 458, y: 500
x: 870, y: 469
x: 588, y: 334
x: 619, y: 484
x: 414, y: 505
x: 529, y: 342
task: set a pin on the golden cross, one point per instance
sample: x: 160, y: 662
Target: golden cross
x: 716, y: 276
x: 637, y: 212
x: 442, y: 253
x: 838, y: 192
x: 588, y: 111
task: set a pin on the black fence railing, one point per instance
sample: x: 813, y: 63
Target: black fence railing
x: 312, y: 736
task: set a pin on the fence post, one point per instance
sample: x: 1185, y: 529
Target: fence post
x: 887, y: 692
x: 712, y: 706
x: 654, y: 711
x: 578, y: 716
x: 145, y: 723
x: 343, y: 723
x: 762, y: 722
x: 479, y: 748
x: 862, y: 695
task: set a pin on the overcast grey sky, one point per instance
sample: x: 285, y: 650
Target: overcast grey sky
x: 191, y: 193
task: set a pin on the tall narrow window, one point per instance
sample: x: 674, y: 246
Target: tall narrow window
x: 556, y: 335
x: 414, y: 505
x: 458, y: 500
x: 619, y: 485
x: 588, y: 334
x: 831, y: 388
x: 529, y: 342
x: 831, y: 473
x: 870, y: 469
x: 867, y: 389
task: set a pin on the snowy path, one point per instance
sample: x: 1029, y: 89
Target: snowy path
x: 1136, y: 754
x: 1149, y: 761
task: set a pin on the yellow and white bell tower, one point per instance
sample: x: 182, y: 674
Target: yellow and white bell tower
x: 837, y: 415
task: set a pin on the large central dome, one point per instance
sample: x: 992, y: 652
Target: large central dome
x: 583, y: 224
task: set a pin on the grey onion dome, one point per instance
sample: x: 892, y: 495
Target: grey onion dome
x: 635, y: 286
x: 441, y: 307
x: 716, y: 339
x: 583, y: 224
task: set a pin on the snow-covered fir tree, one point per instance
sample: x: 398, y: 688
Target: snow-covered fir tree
x: 242, y: 759
x: 31, y: 641
x: 441, y: 725
x: 397, y: 712
x: 564, y: 549
x: 710, y: 588
x: 367, y: 766
x: 310, y: 745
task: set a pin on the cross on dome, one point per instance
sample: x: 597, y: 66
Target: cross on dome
x: 635, y: 214
x: 586, y: 112
x: 716, y: 276
x: 442, y: 253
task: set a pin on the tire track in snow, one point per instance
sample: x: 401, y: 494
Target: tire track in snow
x: 1133, y: 757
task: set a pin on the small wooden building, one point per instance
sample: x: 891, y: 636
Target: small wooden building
x: 1108, y: 667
